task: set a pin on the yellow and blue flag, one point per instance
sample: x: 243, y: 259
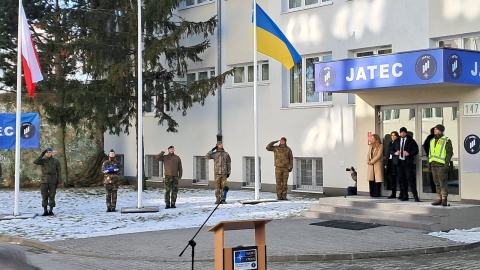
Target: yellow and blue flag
x: 272, y: 42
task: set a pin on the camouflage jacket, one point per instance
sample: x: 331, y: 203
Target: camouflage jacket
x: 222, y: 162
x: 113, y: 177
x: 282, y: 154
x: 50, y: 169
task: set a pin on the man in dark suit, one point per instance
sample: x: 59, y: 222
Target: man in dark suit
x: 406, y: 148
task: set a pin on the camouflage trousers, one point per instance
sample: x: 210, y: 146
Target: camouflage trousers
x: 220, y: 182
x: 111, y: 191
x: 171, y: 190
x: 48, y: 191
x: 281, y: 176
x: 440, y: 177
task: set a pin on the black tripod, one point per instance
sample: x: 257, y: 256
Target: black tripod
x: 192, y: 243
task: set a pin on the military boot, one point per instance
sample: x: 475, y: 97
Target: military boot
x: 437, y: 202
x: 444, y: 201
x: 50, y: 212
x: 45, y: 212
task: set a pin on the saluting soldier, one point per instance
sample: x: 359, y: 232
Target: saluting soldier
x: 283, y: 165
x: 111, y: 179
x: 172, y: 165
x: 222, y: 166
x: 51, y: 177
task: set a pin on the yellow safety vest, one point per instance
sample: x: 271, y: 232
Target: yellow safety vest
x: 438, y: 151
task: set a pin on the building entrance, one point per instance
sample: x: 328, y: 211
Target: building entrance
x: 419, y: 120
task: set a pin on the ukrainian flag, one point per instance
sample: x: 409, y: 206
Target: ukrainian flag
x: 272, y: 42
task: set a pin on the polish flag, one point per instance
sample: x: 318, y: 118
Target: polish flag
x: 31, y: 65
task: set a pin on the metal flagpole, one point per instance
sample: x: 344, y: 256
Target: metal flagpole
x: 255, y: 113
x: 139, y: 107
x: 19, y: 110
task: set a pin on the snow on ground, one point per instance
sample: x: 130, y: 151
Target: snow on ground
x: 463, y: 236
x: 81, y: 212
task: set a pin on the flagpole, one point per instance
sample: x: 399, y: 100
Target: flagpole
x: 18, y: 110
x: 255, y: 113
x: 139, y: 107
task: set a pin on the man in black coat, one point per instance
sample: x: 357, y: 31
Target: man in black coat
x: 406, y: 148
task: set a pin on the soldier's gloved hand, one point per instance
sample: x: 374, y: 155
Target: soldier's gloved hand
x: 44, y: 152
x: 214, y: 148
x: 289, y: 169
x: 228, y: 175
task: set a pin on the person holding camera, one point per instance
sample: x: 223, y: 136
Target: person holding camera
x: 111, y: 179
x: 283, y: 165
x: 352, y: 190
x: 375, y: 167
x: 51, y: 175
x: 172, y: 166
x: 222, y: 168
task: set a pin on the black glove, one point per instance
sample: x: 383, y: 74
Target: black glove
x: 44, y: 152
x: 214, y: 148
x: 228, y: 175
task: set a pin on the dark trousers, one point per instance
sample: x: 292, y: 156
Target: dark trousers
x: 374, y: 188
x: 48, y: 191
x: 406, y: 177
x: 351, y: 191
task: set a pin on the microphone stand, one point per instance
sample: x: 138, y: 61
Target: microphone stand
x: 192, y: 243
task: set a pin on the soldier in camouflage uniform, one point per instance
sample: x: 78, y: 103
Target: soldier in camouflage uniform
x: 283, y: 165
x: 50, y: 179
x: 172, y: 167
x: 222, y: 168
x: 111, y: 169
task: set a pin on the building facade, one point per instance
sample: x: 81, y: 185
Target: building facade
x: 327, y: 131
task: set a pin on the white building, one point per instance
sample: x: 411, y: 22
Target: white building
x: 327, y: 131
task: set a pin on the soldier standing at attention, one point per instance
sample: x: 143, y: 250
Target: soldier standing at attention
x: 111, y: 179
x: 172, y: 167
x: 222, y: 168
x: 50, y: 179
x: 283, y: 165
x: 439, y: 157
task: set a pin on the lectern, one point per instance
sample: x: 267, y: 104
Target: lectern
x: 255, y: 255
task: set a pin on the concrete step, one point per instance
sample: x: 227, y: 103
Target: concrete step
x: 379, y: 213
x: 413, y: 224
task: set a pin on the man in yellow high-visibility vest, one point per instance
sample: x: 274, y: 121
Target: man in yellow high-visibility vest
x: 439, y: 156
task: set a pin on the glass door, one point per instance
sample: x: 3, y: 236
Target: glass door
x: 419, y: 119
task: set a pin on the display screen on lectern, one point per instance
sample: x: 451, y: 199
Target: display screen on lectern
x: 245, y: 258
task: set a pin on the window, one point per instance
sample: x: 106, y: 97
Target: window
x: 201, y: 170
x: 372, y: 51
x: 411, y: 114
x: 244, y: 74
x: 250, y: 171
x: 309, y: 173
x: 454, y: 113
x: 468, y: 43
x: 157, y: 101
x: 389, y: 115
x: 154, y: 168
x: 432, y: 112
x: 300, y: 4
x: 302, y: 87
x: 193, y: 3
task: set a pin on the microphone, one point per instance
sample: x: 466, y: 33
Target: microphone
x: 225, y: 190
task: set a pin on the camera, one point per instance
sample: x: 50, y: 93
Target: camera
x: 350, y: 169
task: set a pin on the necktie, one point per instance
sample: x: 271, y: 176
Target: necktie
x: 401, y: 148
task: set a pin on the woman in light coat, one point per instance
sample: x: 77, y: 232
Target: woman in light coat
x: 375, y: 165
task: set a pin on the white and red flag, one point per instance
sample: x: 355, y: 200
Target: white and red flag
x: 31, y: 65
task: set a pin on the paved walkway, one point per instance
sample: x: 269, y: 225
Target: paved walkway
x: 287, y: 240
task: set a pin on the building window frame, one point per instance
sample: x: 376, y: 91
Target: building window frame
x: 201, y: 170
x: 153, y: 168
x: 249, y: 171
x: 302, y: 82
x: 466, y: 42
x: 306, y: 171
x: 373, y: 51
x: 296, y: 5
x: 243, y: 74
x: 194, y: 3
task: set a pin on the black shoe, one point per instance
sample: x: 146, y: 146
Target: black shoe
x: 108, y: 210
x: 444, y: 202
x: 437, y: 202
x: 404, y: 199
x: 167, y: 206
x: 417, y: 199
x: 392, y: 196
x: 173, y: 206
x: 50, y: 213
x: 45, y: 214
x: 113, y: 210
